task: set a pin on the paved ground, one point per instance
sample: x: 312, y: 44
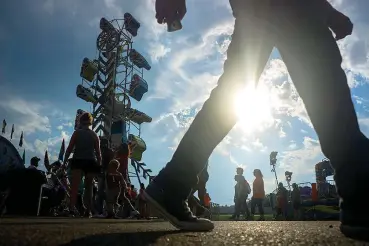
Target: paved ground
x: 101, y: 232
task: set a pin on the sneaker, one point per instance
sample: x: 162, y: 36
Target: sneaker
x: 134, y: 214
x: 87, y: 214
x: 175, y: 210
x: 352, y: 184
x: 353, y: 223
x: 71, y: 213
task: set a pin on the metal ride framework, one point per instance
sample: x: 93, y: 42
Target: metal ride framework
x: 110, y: 82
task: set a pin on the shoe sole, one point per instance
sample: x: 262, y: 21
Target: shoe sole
x: 359, y: 233
x: 182, y: 225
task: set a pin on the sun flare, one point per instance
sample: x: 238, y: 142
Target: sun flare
x: 253, y: 107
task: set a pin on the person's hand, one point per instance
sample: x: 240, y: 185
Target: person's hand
x: 169, y: 10
x: 340, y: 24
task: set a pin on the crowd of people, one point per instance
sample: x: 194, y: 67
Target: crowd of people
x: 283, y: 196
x: 243, y: 190
x: 95, y: 180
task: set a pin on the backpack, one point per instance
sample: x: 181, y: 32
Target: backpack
x: 247, y: 187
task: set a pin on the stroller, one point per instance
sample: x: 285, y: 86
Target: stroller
x: 54, y: 195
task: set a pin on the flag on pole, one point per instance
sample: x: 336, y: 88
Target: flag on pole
x: 21, y: 140
x: 46, y: 159
x: 4, y: 126
x: 24, y: 157
x: 11, y: 134
x: 62, y: 151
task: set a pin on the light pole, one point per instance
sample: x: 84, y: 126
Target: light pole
x: 273, y: 162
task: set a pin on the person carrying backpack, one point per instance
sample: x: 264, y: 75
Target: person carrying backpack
x: 242, y: 190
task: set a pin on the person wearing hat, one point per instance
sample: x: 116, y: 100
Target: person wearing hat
x: 34, y: 162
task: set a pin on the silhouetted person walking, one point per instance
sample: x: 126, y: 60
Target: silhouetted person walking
x: 300, y: 31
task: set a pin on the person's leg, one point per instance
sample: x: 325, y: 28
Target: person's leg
x: 76, y: 180
x: 314, y: 63
x: 192, y: 203
x: 237, y: 209
x: 246, y: 57
x: 110, y: 203
x: 201, y: 191
x: 246, y: 208
x: 198, y: 204
x: 259, y: 203
x: 101, y: 194
x: 201, y: 187
x: 253, y: 206
x: 296, y: 210
x: 88, y: 193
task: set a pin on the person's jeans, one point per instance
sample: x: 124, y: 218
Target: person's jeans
x: 241, y: 207
x: 257, y: 202
x: 313, y: 60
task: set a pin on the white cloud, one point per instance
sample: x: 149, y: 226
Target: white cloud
x: 52, y: 143
x: 292, y: 145
x: 282, y: 133
x: 186, y: 88
x: 235, y: 162
x: 259, y: 145
x: 301, y: 161
x: 31, y: 118
x: 355, y: 48
x: 68, y: 124
x: 27, y: 116
x: 158, y: 51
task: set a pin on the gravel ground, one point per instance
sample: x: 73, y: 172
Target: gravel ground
x: 70, y: 231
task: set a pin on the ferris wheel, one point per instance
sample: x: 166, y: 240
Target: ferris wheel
x: 111, y: 81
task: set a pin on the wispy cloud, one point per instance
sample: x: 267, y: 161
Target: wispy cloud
x: 27, y: 116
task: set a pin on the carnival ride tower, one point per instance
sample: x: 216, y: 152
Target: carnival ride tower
x: 111, y: 80
x: 323, y: 170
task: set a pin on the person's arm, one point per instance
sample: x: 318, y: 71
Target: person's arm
x: 71, y: 145
x: 97, y: 149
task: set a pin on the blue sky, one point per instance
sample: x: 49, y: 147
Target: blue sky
x: 44, y: 42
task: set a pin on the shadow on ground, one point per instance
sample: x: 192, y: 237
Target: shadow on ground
x: 115, y: 239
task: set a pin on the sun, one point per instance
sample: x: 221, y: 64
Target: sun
x: 253, y: 107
